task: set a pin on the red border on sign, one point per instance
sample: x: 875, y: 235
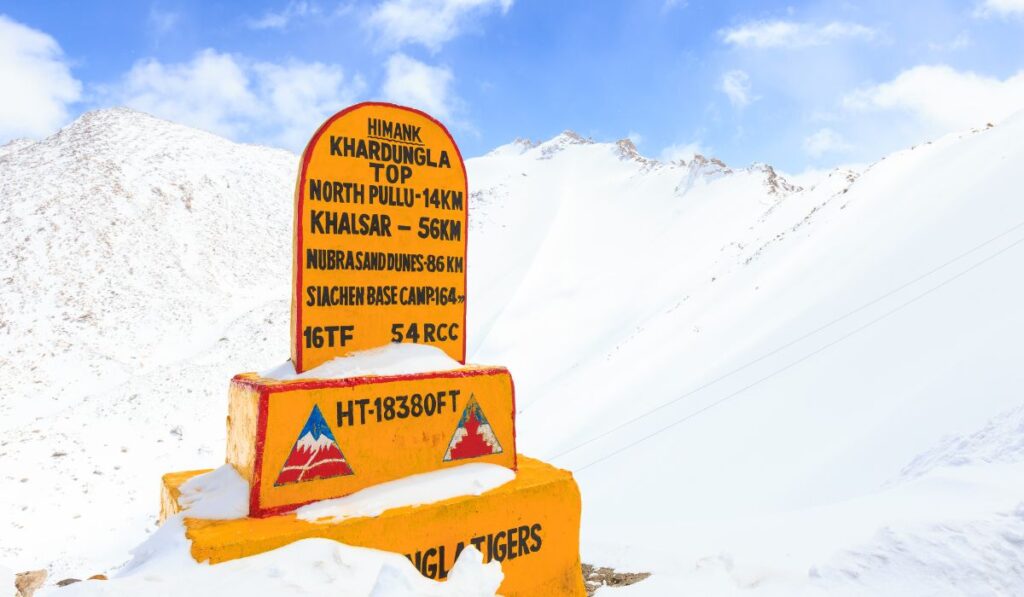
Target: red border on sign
x: 261, y: 440
x: 265, y: 390
x: 300, y: 196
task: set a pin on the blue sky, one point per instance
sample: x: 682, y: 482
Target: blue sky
x: 797, y: 85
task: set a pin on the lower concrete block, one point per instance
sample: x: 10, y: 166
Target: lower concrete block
x: 530, y: 525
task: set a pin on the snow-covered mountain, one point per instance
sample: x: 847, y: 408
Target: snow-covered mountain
x: 144, y: 263
x: 802, y: 351
x: 739, y: 370
x: 124, y: 236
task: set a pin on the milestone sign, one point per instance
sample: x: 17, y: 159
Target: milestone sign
x: 380, y: 236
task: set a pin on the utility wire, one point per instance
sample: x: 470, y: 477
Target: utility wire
x: 788, y: 344
x: 800, y: 360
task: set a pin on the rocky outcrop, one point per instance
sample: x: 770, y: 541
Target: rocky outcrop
x: 27, y: 583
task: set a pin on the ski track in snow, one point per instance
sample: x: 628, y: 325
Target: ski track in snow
x: 145, y: 263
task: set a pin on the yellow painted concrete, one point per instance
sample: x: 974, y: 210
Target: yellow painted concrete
x: 170, y: 491
x: 413, y: 212
x: 531, y: 525
x: 378, y: 444
x: 243, y: 421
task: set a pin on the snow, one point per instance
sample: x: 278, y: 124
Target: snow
x: 393, y: 359
x: 952, y: 530
x: 835, y: 364
x: 221, y: 494
x: 163, y: 566
x: 310, y: 444
x: 414, y: 490
x: 1000, y: 440
x: 747, y: 318
x: 143, y: 264
x: 7, y: 577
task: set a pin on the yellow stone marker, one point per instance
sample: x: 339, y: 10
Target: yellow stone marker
x: 380, y: 236
x: 379, y: 257
x: 306, y: 440
x: 530, y: 525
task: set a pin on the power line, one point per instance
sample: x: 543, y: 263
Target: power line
x: 796, y: 362
x: 791, y: 343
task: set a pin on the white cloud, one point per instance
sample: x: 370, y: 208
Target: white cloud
x: 792, y: 34
x: 683, y: 151
x: 277, y: 104
x: 429, y: 23
x: 212, y: 92
x: 280, y: 19
x: 1003, y: 8
x: 302, y: 95
x: 825, y: 141
x: 35, y: 80
x: 736, y: 86
x: 418, y: 85
x: 635, y: 137
x: 942, y: 98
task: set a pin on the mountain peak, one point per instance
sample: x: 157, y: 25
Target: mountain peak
x: 518, y: 146
x: 572, y: 136
x: 627, y: 148
x: 127, y: 123
x: 775, y: 183
x: 119, y: 116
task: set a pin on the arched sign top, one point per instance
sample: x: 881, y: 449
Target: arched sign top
x: 379, y: 253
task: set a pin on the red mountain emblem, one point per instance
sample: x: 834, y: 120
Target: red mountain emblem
x: 473, y: 437
x: 315, y: 455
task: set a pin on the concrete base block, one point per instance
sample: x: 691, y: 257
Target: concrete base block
x: 530, y: 525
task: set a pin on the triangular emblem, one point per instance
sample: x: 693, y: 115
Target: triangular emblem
x: 315, y: 455
x: 473, y: 437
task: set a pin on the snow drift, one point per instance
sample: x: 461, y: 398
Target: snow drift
x: 162, y: 565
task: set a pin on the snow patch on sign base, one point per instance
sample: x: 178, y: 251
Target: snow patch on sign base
x: 163, y: 565
x: 414, y: 490
x: 315, y: 455
x: 473, y: 437
x: 393, y: 359
x: 221, y: 494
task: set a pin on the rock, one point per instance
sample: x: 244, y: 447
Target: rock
x: 67, y: 581
x: 98, y: 577
x: 594, y: 578
x: 27, y: 583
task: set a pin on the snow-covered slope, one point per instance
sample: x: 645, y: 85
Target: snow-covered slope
x: 834, y: 334
x: 795, y: 349
x: 143, y: 263
x: 123, y: 236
